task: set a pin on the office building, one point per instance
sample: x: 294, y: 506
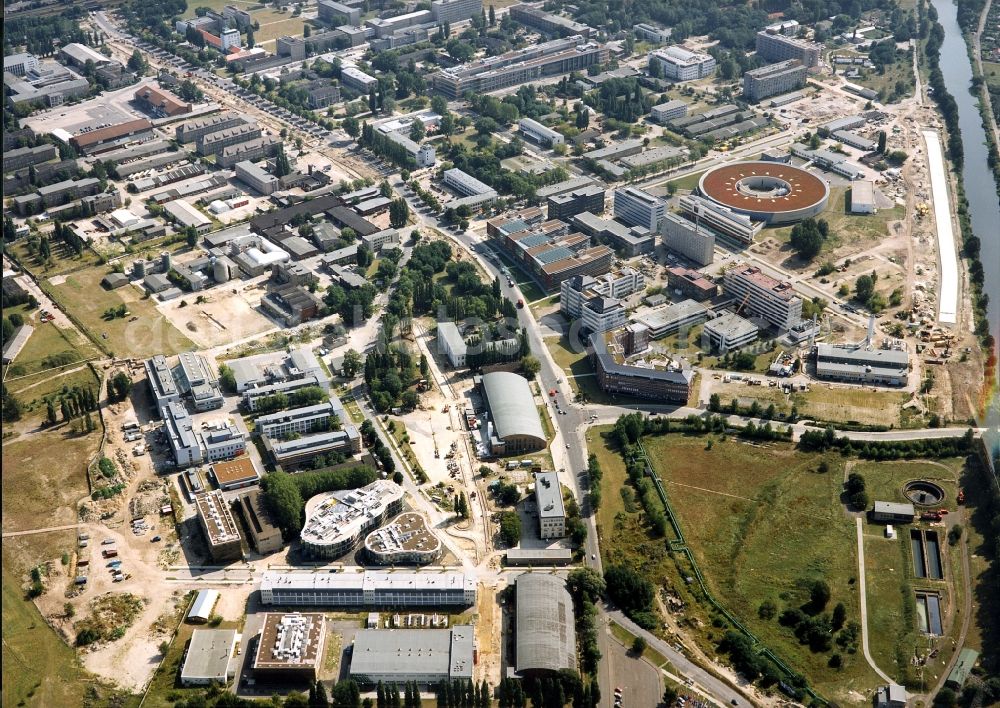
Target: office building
x: 407, y: 539
x: 616, y: 375
x: 220, y: 528
x: 728, y: 332
x: 474, y: 193
x: 854, y: 140
x: 549, y: 501
x: 629, y: 241
x: 254, y: 373
x: 386, y: 26
x: 862, y: 365
x: 546, y: 627
x: 547, y: 22
x: 671, y: 110
x: 568, y: 204
x: 513, y: 425
x: 20, y: 64
x: 560, y: 56
x: 396, y: 589
x: 720, y: 219
x: 422, y: 155
x: 301, y: 421
x: 423, y: 656
x: 210, y: 658
x: 259, y: 179
x: 649, y: 33
x: 353, y: 78
x: 690, y: 284
x: 196, y: 379
x: 774, y: 79
x: 265, y: 537
x: 299, y: 451
x: 452, y: 344
x: 774, y: 46
x: 290, y: 646
x: 762, y: 296
x: 664, y: 320
x: 337, y: 521
x: 691, y: 239
x: 380, y: 239
x: 336, y: 14
x: 638, y: 208
x: 538, y: 133
x: 562, y: 187
x: 161, y: 382
x: 43, y: 83
x: 235, y: 474
x: 453, y: 11
x: 597, y: 301
x: 251, y: 150
x: 679, y: 64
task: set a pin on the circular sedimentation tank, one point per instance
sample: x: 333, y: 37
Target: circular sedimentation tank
x: 923, y: 492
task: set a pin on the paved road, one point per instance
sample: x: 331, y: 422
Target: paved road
x: 641, y: 682
x: 864, y: 601
x: 711, y: 685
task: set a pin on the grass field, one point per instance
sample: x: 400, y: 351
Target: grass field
x: 850, y: 404
x: 47, y: 347
x: 39, y: 669
x: 33, y: 389
x: 763, y: 525
x: 991, y: 73
x: 81, y: 295
x: 62, y: 260
x: 687, y: 182
x: 845, y: 228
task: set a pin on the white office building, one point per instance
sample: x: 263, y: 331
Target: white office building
x: 680, y: 64
x: 671, y: 110
x: 725, y: 221
x: 551, y: 510
x: 538, y: 133
x: 728, y: 332
x: 691, y: 239
x: 638, y: 208
x: 763, y: 296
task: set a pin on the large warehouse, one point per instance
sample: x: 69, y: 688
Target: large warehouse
x: 766, y: 191
x: 514, y: 426
x: 426, y: 656
x: 546, y: 634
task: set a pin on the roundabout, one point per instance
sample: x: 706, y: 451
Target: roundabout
x: 766, y: 191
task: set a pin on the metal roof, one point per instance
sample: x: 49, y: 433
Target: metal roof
x: 203, y: 604
x: 413, y: 652
x: 208, y: 655
x: 548, y: 494
x: 512, y: 406
x: 884, y: 507
x: 546, y: 633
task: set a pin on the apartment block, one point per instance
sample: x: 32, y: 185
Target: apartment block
x: 251, y: 150
x: 194, y: 129
x: 763, y: 296
x: 773, y: 46
x: 213, y: 143
x: 774, y: 79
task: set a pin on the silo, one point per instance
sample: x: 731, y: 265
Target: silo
x: 165, y: 264
x: 138, y: 269
x: 220, y: 270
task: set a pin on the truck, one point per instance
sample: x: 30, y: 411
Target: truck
x: 109, y: 553
x: 520, y: 304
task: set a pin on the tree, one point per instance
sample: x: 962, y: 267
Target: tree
x: 767, y: 610
x: 307, y: 30
x: 881, y: 142
x: 839, y: 616
x: 638, y: 646
x: 819, y: 595
x: 351, y: 126
x: 351, y: 364
x: 417, y: 131
x: 399, y: 213
x: 137, y: 63
x: 530, y: 366
x: 493, y: 17
x: 807, y: 239
x: 119, y: 387
x: 510, y: 528
x: 250, y: 38
x: 629, y: 590
x: 585, y: 584
x: 282, y: 166
x: 864, y: 288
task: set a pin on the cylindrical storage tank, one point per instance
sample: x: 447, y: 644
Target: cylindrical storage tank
x: 165, y: 261
x: 220, y: 270
x: 139, y: 269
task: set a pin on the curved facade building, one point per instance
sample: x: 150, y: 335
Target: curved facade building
x: 546, y: 630
x: 405, y: 540
x: 766, y: 191
x: 514, y: 424
x: 336, y: 521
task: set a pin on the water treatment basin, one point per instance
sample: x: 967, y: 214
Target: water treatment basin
x: 923, y: 493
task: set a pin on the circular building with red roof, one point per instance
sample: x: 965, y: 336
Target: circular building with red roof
x: 766, y: 191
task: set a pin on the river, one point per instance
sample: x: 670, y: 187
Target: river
x: 980, y: 189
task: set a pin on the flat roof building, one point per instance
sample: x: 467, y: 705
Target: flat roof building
x: 539, y: 556
x: 774, y: 79
x: 113, y: 136
x: 638, y: 208
x: 196, y: 379
x: 721, y: 219
x: 679, y: 64
x: 589, y: 198
x: 551, y: 509
x: 514, y: 426
x: 671, y: 110
x: 209, y: 657
x: 728, y: 332
x: 257, y: 177
x: 691, y: 239
x: 691, y: 284
x: 201, y: 608
x: 16, y: 343
x: 265, y: 537
x: 235, y: 474
x: 967, y: 659
x: 161, y: 382
x: 774, y: 46
x: 538, y: 133
x: 616, y: 375
x: 407, y: 539
x: 187, y: 216
x: 763, y: 296
x: 547, y: 22
x: 892, y: 511
x: 863, y: 197
x: 290, y: 646
x: 369, y: 589
x: 337, y: 521
x: 220, y: 528
x: 671, y: 318
x: 862, y: 365
x: 425, y: 656
x: 546, y: 628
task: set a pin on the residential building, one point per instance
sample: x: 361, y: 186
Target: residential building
x: 546, y: 626
x: 28, y: 156
x: 690, y: 284
x: 680, y: 64
x: 775, y: 46
x: 722, y: 220
x: 453, y: 11
x: 638, y: 208
x: 691, y: 239
x: 235, y: 474
x: 669, y: 319
x: 551, y: 510
x: 213, y: 143
x: 671, y: 110
x: 396, y: 589
x: 380, y: 239
x: 187, y: 216
x: 560, y: 56
x: 161, y: 382
x: 407, y: 539
x: 262, y: 181
x: 862, y: 365
x: 423, y: 656
x: 336, y: 522
x: 763, y: 296
x: 251, y: 150
x: 547, y: 22
x: 728, y: 332
x: 291, y: 304
x: 291, y: 646
x: 220, y: 529
x: 513, y: 425
x: 195, y: 129
x: 114, y: 136
x: 774, y: 79
x: 893, y: 512
x: 568, y: 204
x: 336, y: 14
x: 629, y: 241
x: 160, y: 103
x: 265, y: 537
x: 538, y: 133
x: 616, y: 375
x: 210, y: 658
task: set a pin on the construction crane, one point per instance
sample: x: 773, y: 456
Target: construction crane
x: 743, y: 304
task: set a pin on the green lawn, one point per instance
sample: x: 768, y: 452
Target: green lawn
x: 851, y: 405
x: 62, y: 260
x: 991, y: 73
x: 48, y: 348
x: 688, y: 182
x: 82, y: 296
x: 845, y: 228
